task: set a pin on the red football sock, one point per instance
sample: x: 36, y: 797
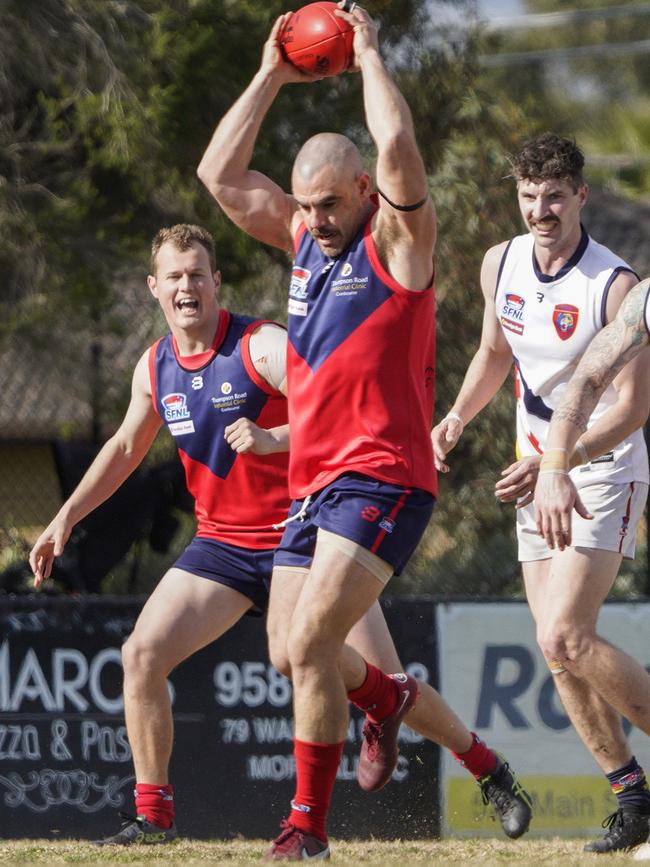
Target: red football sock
x: 155, y: 803
x: 479, y: 758
x: 316, y: 767
x: 377, y: 696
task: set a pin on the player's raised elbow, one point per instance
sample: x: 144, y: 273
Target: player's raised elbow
x: 210, y: 177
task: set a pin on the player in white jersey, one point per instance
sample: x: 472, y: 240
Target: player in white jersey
x: 534, y: 314
x: 547, y: 294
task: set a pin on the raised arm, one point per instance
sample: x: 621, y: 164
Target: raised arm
x: 253, y: 201
x: 487, y: 370
x: 617, y: 354
x: 406, y: 238
x: 117, y: 459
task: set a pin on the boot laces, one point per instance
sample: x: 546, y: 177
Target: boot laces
x: 614, y: 824
x: 493, y: 790
x: 288, y: 829
x: 129, y: 818
x: 373, y: 733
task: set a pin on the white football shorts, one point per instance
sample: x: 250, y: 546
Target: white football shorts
x: 617, y: 510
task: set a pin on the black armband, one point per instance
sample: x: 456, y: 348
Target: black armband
x: 403, y: 207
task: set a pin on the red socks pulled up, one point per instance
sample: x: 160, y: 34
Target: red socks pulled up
x: 377, y: 696
x: 316, y: 767
x: 479, y: 758
x: 155, y: 803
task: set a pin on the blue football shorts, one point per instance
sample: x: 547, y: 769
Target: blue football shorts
x: 387, y: 520
x: 247, y: 570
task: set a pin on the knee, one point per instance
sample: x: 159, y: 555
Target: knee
x: 276, y: 636
x: 564, y: 642
x: 308, y: 647
x: 278, y: 654
x: 141, y: 660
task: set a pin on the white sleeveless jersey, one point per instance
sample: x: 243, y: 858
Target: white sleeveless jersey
x: 549, y: 322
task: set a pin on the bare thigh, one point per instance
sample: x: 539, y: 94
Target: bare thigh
x: 336, y: 593
x: 185, y: 613
x: 571, y: 586
x: 369, y: 636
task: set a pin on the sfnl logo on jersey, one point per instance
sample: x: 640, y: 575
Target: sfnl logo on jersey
x: 298, y: 290
x: 565, y: 319
x: 512, y: 313
x: 177, y: 415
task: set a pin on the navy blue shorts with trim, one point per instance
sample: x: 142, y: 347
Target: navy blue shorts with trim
x: 247, y: 570
x: 387, y: 519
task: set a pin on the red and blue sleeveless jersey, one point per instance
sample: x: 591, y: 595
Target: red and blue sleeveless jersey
x: 360, y: 370
x: 237, y: 497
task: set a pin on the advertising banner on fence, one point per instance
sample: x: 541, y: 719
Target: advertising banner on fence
x: 496, y: 679
x: 65, y: 760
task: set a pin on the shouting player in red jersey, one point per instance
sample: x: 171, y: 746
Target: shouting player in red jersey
x: 360, y: 365
x: 188, y: 381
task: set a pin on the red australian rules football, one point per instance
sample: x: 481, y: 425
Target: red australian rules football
x: 317, y: 41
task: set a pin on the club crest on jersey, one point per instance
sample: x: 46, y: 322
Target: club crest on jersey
x: 299, y: 279
x: 175, y: 406
x: 565, y: 319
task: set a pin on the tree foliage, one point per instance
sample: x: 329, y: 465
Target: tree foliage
x: 583, y: 70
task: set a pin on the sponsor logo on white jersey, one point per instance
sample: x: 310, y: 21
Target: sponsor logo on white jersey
x: 511, y: 325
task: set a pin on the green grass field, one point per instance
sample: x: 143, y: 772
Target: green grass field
x: 521, y: 853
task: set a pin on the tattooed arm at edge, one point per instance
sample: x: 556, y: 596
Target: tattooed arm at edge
x: 605, y: 357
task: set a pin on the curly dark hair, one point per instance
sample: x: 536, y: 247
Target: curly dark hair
x: 547, y: 157
x: 182, y: 236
